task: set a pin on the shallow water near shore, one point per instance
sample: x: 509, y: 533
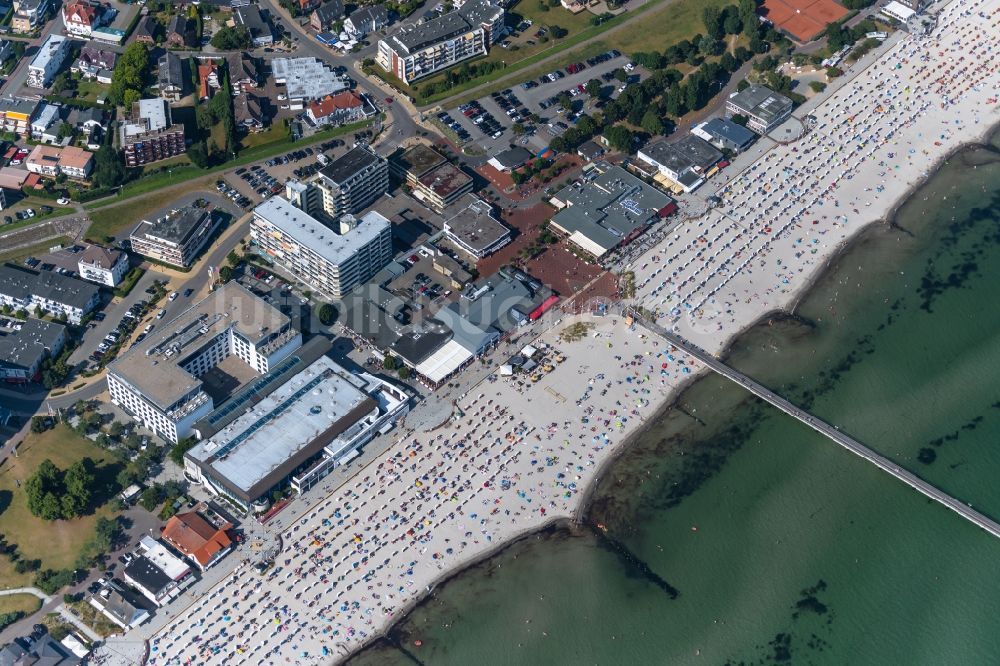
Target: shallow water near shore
x: 737, y: 535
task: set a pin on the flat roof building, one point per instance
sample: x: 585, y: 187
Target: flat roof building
x: 24, y: 344
x: 432, y: 178
x: 150, y: 134
x: 330, y: 262
x: 23, y: 289
x: 177, y: 237
x: 352, y: 182
x: 684, y: 162
x: 724, y: 134
x: 296, y: 434
x: 422, y: 49
x: 763, y: 108
x: 47, y: 61
x: 307, y: 79
x: 157, y: 573
x: 607, y: 208
x: 159, y: 381
x: 474, y: 227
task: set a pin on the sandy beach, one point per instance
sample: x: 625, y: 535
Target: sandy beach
x: 520, y: 453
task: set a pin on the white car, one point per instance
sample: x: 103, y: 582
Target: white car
x: 159, y: 315
x: 62, y: 201
x: 173, y: 295
x: 282, y: 97
x: 15, y: 162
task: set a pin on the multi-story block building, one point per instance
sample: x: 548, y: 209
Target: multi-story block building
x: 150, y: 134
x: 24, y: 345
x: 352, y: 182
x: 28, y: 15
x: 59, y: 294
x: 330, y: 262
x: 16, y: 115
x: 177, y: 237
x: 433, y: 179
x: 50, y: 57
x: 103, y: 265
x: 159, y: 381
x: 421, y: 50
x: 763, y: 108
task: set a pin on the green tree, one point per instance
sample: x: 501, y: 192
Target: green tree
x: 389, y: 362
x: 404, y: 372
x: 151, y: 497
x: 748, y: 15
x: 728, y: 62
x: 327, y: 314
x: 651, y: 123
x: 233, y: 258
x: 225, y: 274
x: 732, y: 24
x: 78, y: 481
x: 711, y: 17
x: 621, y: 75
x: 109, y: 171
x: 594, y: 87
x: 43, y: 489
x: 198, y: 154
x: 231, y: 39
x: 817, y: 86
x: 620, y: 138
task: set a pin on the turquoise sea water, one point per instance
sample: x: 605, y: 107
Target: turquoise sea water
x: 737, y: 535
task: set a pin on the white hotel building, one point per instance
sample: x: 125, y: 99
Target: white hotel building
x: 159, y: 381
x: 330, y: 262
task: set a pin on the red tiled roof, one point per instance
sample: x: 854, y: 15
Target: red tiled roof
x: 205, y: 71
x: 194, y: 536
x: 345, y: 100
x: 79, y: 12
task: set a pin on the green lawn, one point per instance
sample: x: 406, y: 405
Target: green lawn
x: 56, y: 543
x: 112, y: 219
x: 38, y: 248
x: 664, y: 26
x: 26, y: 603
x: 90, y: 90
x: 277, y: 133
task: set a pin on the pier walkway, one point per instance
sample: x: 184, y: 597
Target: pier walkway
x: 826, y: 429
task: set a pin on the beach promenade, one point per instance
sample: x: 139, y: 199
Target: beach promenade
x: 518, y: 453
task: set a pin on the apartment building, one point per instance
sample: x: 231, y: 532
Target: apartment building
x: 423, y: 49
x: 16, y: 115
x: 51, y: 161
x: 329, y: 261
x: 50, y: 57
x: 177, y: 237
x: 150, y: 134
x: 23, y: 289
x: 102, y: 265
x: 352, y: 182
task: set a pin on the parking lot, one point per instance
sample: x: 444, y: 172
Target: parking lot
x: 248, y: 186
x: 487, y: 121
